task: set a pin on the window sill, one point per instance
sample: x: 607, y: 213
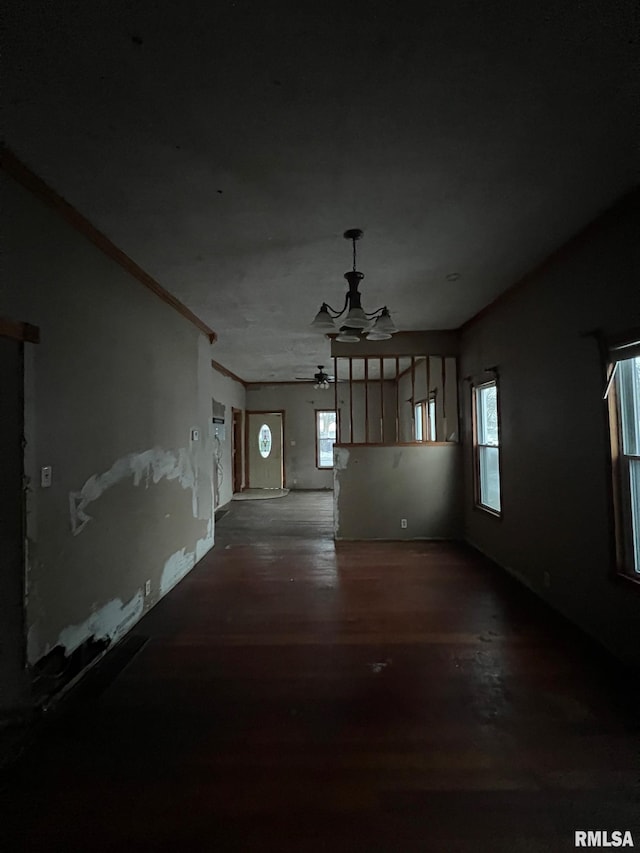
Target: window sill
x: 627, y: 580
x: 488, y: 510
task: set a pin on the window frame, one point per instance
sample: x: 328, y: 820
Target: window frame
x: 422, y: 410
x: 419, y: 414
x: 626, y: 563
x: 431, y: 419
x: 319, y: 412
x: 477, y: 484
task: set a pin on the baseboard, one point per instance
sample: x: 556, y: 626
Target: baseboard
x: 598, y: 647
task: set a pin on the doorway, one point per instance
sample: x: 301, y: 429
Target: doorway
x: 14, y: 690
x: 264, y: 450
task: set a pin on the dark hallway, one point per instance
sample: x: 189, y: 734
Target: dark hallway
x: 294, y: 695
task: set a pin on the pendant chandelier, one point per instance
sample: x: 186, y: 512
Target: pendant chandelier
x: 357, y: 324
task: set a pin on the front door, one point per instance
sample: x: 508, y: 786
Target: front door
x: 264, y: 438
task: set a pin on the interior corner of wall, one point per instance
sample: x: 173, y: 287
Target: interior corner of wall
x: 33, y: 645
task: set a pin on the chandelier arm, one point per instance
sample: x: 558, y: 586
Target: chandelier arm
x: 337, y: 314
x: 374, y: 313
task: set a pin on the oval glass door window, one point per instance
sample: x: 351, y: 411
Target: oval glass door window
x: 264, y: 441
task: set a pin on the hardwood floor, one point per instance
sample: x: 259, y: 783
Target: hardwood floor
x: 297, y: 696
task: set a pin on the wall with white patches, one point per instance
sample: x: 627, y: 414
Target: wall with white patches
x: 232, y: 394
x: 113, y: 392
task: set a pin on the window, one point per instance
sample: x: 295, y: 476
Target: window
x: 487, y: 446
x: 418, y: 414
x: 432, y: 417
x: 264, y: 441
x: 325, y: 438
x: 624, y: 408
x: 424, y: 414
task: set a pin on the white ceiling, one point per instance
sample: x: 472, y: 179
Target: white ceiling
x: 226, y: 146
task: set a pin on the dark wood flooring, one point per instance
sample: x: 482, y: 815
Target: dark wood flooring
x: 298, y: 696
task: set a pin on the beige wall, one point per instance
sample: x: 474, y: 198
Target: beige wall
x: 555, y: 450
x: 113, y: 391
x: 376, y: 487
x: 444, y: 342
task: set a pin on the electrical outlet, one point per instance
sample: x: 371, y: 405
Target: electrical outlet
x: 147, y: 588
x: 403, y: 523
x: 45, y: 476
x: 195, y: 435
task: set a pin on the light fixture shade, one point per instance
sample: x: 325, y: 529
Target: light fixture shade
x: 348, y: 336
x: 384, y: 324
x: 323, y: 322
x: 353, y: 323
x: 357, y: 319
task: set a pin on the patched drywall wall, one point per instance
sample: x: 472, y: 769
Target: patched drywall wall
x: 299, y: 402
x: 376, y: 487
x: 233, y: 396
x: 554, y: 434
x: 114, y: 392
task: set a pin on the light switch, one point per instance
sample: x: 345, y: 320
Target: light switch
x: 293, y: 444
x: 45, y: 476
x: 195, y: 435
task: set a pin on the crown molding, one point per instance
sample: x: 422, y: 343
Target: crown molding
x: 30, y: 181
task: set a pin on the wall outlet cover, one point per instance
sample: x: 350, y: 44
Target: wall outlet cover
x: 45, y: 476
x: 403, y: 523
x: 195, y: 435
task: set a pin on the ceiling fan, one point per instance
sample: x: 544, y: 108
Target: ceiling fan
x: 321, y: 380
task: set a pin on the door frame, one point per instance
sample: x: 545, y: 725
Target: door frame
x: 22, y: 333
x: 248, y: 412
x: 237, y: 471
